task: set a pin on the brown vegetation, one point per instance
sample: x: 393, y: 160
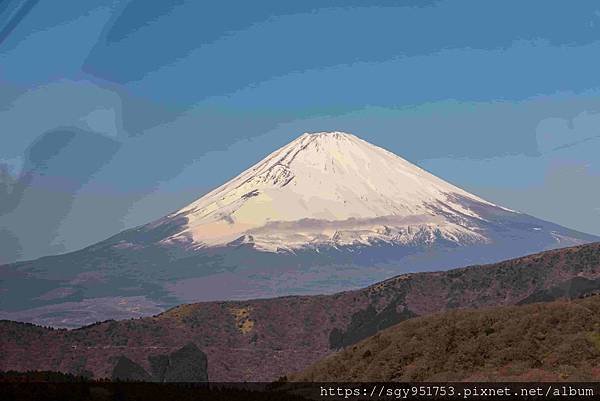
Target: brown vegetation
x: 546, y: 341
x: 267, y: 338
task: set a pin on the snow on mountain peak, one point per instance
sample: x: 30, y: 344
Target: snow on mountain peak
x: 331, y: 189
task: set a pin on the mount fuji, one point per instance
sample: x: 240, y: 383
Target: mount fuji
x: 330, y: 190
x: 327, y: 212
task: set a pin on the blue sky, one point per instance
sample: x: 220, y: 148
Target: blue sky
x: 113, y: 113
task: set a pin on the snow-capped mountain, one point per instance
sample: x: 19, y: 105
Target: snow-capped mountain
x: 330, y: 189
x: 327, y: 212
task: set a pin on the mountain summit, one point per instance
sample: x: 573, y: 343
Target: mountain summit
x: 330, y: 189
x: 325, y: 213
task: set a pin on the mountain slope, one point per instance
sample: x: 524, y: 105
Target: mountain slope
x: 329, y: 189
x: 327, y: 212
x: 545, y: 341
x: 267, y: 338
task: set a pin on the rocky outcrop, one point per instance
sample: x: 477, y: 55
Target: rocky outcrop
x: 127, y: 370
x: 188, y: 364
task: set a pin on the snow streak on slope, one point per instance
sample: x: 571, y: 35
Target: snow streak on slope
x: 331, y: 189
